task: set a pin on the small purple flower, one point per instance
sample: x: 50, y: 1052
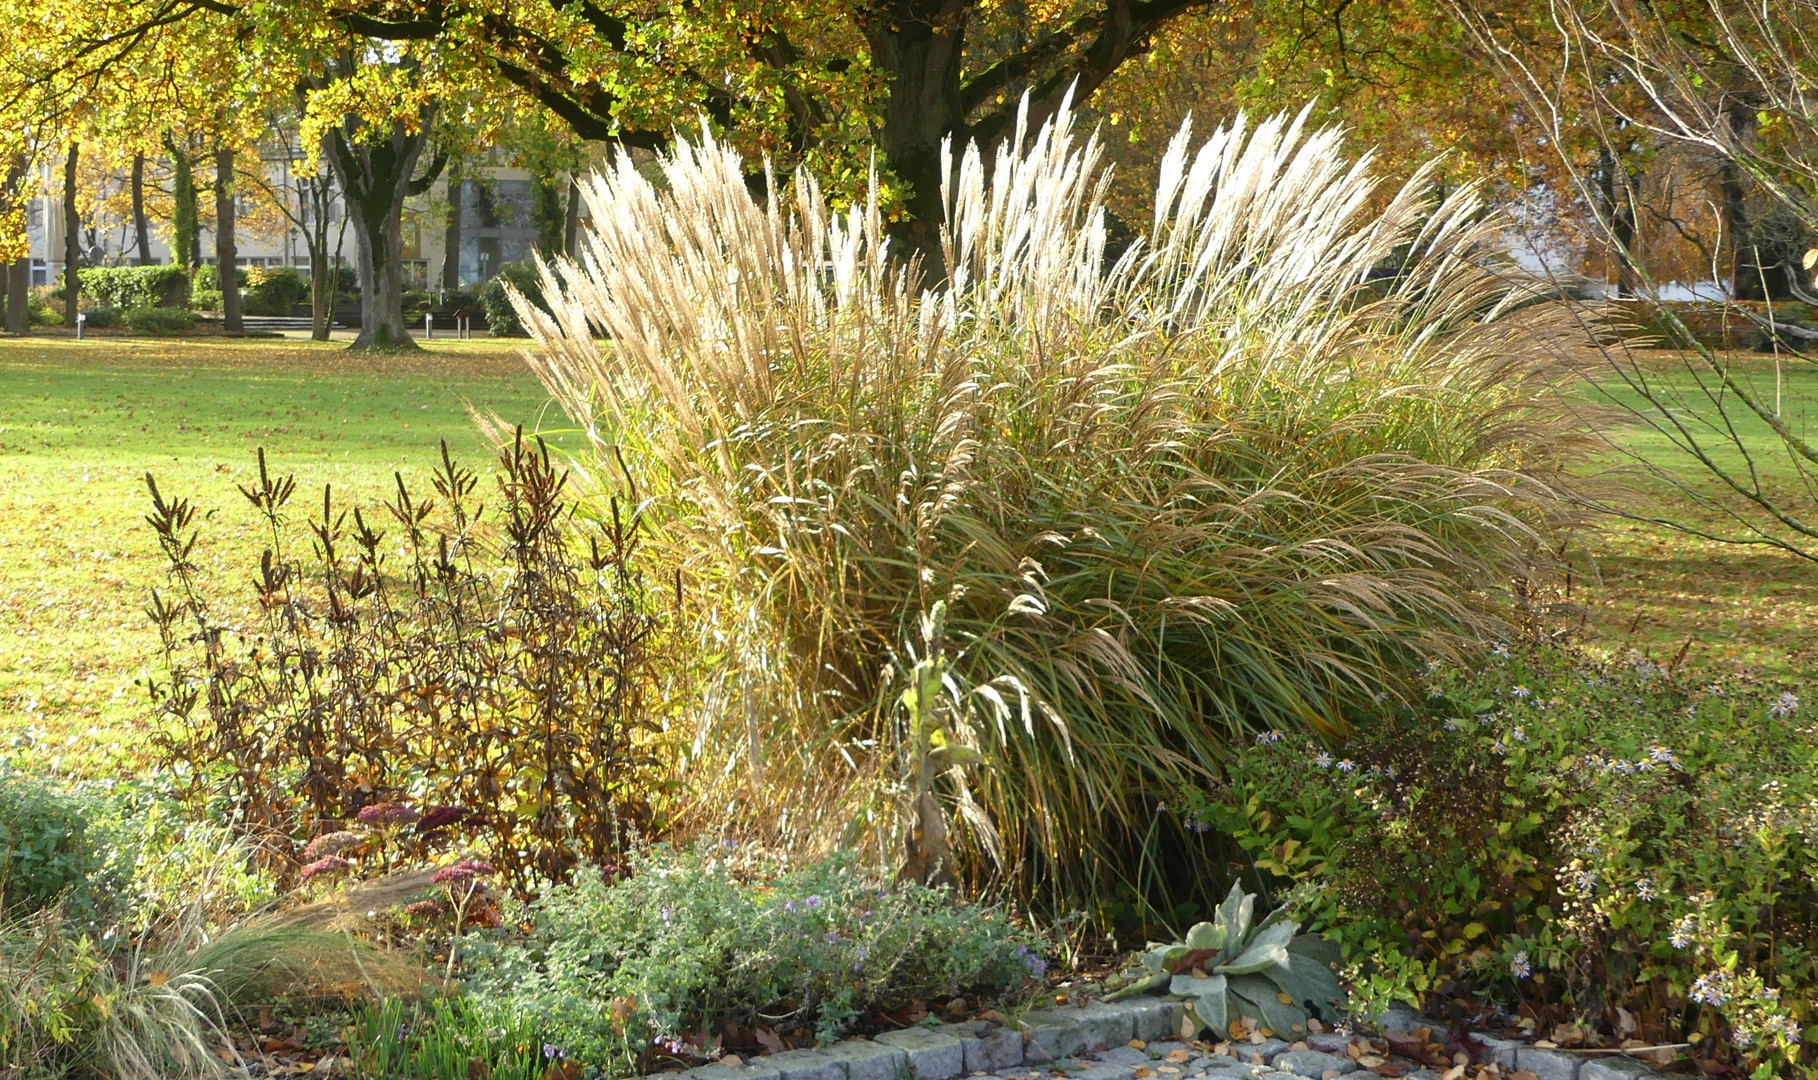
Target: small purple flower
x: 1785, y: 706
x: 386, y: 814
x: 552, y: 1052
x: 813, y: 901
x: 789, y: 905
x: 1347, y: 765
x: 1323, y: 761
x: 666, y: 913
x: 333, y: 843
x: 327, y: 864
x: 1521, y: 693
x: 1520, y: 967
x: 462, y: 872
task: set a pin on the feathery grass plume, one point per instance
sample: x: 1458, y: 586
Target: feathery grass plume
x: 1245, y: 476
x: 69, y: 1006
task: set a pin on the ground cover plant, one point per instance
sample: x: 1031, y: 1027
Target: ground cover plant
x: 1227, y: 485
x: 685, y: 956
x: 1617, y: 850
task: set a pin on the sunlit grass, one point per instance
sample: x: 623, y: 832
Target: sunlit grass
x: 82, y: 422
x: 1655, y: 589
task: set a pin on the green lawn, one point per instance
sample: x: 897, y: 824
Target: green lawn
x: 1653, y: 589
x: 82, y: 422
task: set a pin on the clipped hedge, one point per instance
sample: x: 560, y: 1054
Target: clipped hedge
x: 127, y: 287
x: 159, y: 320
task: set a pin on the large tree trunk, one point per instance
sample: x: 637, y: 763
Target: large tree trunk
x: 18, y: 271
x: 917, y: 44
x: 376, y: 177
x: 141, y: 227
x: 72, y: 239
x: 451, y: 237
x: 186, y: 218
x: 1738, y: 236
x: 227, y: 270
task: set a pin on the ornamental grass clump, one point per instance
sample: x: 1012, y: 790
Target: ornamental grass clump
x: 1249, y: 474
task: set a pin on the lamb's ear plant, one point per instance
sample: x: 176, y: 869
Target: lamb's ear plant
x: 1237, y: 971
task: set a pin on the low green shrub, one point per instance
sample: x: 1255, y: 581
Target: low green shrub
x: 100, y: 318
x: 273, y: 291
x: 55, y: 845
x: 695, y: 953
x: 160, y: 320
x: 205, y: 299
x: 127, y: 287
x: 39, y: 307
x: 1606, y: 844
x: 501, y: 318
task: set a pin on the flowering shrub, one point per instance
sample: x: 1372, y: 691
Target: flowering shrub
x: 1615, y: 845
x: 693, y: 954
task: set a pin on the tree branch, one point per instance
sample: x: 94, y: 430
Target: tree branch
x: 1124, y: 28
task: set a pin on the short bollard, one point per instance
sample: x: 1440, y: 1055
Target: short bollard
x: 429, y: 324
x: 81, y: 324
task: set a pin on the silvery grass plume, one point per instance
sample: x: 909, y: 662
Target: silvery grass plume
x: 1248, y: 474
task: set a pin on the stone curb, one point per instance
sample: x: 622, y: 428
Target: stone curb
x: 1047, y: 1037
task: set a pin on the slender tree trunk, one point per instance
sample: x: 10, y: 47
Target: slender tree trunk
x: 72, y: 239
x: 571, y: 226
x: 451, y: 237
x: 1616, y: 189
x: 375, y: 178
x: 18, y: 295
x: 227, y: 272
x: 18, y: 271
x: 917, y: 45
x: 322, y: 272
x: 141, y: 227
